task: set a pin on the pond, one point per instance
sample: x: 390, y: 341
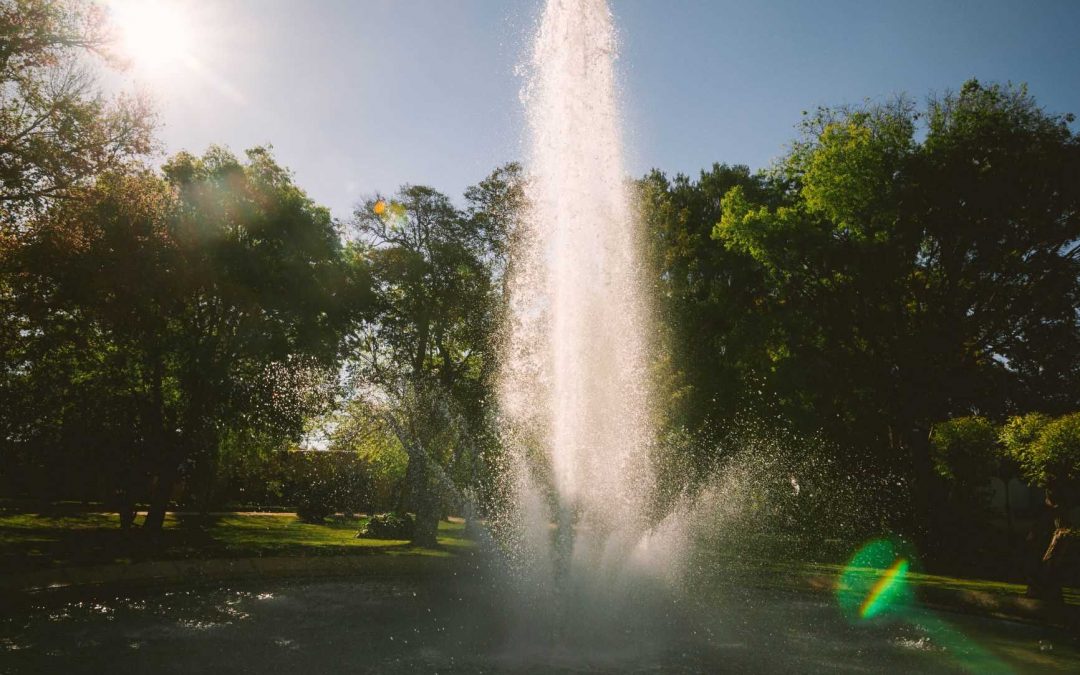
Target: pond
x: 464, y: 625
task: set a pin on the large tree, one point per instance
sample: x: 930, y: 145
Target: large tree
x: 421, y: 361
x: 86, y: 291
x: 58, y: 134
x: 1047, y: 453
x: 175, y: 310
x: 57, y: 130
x: 916, y: 279
x: 711, y: 300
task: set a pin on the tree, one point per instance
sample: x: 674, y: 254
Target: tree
x: 419, y: 361
x: 265, y: 301
x: 911, y: 280
x: 57, y: 131
x: 496, y: 207
x: 965, y: 452
x: 86, y: 288
x: 1048, y: 453
x: 712, y: 299
x: 354, y: 427
x: 58, y: 135
x: 207, y: 303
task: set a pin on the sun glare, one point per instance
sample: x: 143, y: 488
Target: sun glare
x: 154, y: 34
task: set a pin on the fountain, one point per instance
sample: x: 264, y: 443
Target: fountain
x: 574, y: 390
x: 582, y: 548
x: 591, y: 560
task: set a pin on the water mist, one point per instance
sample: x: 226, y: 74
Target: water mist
x: 574, y: 392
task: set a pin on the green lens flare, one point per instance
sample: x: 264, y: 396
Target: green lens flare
x: 887, y: 587
x: 875, y: 586
x: 874, y: 582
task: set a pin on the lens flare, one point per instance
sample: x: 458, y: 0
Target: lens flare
x: 874, y: 582
x: 875, y: 586
x: 886, y: 588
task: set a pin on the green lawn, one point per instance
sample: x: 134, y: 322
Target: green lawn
x: 937, y: 581
x: 796, y: 576
x: 30, y: 541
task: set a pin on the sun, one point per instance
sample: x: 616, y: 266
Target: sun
x: 154, y: 34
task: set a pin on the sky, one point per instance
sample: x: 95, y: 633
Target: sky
x: 361, y: 96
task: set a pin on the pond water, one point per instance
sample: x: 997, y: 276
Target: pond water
x: 460, y: 625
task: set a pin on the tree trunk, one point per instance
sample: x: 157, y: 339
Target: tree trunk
x: 123, y: 495
x: 162, y: 448
x: 1009, y: 526
x: 426, y: 502
x: 1048, y: 579
x: 1048, y: 576
x: 405, y: 486
x: 125, y: 508
x: 162, y: 492
x: 925, y: 491
x: 469, y: 509
x: 427, y: 527
x: 159, y: 504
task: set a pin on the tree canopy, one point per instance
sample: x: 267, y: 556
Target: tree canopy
x: 181, y: 307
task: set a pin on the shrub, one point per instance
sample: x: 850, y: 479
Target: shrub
x: 313, y: 510
x: 322, y: 482
x: 965, y: 450
x: 1018, y: 437
x: 1055, y: 454
x: 393, y: 525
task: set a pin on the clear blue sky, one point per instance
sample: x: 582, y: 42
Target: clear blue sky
x: 363, y: 95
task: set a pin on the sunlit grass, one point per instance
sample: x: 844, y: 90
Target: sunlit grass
x: 799, y: 576
x: 33, y: 541
x: 1002, y: 588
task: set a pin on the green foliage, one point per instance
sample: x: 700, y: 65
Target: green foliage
x: 905, y: 281
x: 1048, y: 450
x: 320, y: 483
x: 58, y: 136
x: 965, y: 450
x: 848, y: 164
x: 391, y: 525
x: 57, y: 131
x: 1059, y: 449
x: 163, y: 316
x: 313, y: 509
x: 356, y: 428
x: 900, y: 266
x: 1018, y: 437
x: 422, y: 361
x: 713, y: 300
x: 904, y: 264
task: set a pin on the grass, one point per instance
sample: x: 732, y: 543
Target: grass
x: 796, y: 575
x: 942, y: 582
x: 34, y: 541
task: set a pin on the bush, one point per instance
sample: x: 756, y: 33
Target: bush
x: 391, y: 525
x: 313, y: 510
x: 322, y: 482
x: 1056, y: 453
x: 964, y: 450
x: 1047, y: 450
x: 1018, y: 436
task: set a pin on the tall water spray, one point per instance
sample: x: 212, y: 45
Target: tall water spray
x: 574, y: 389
